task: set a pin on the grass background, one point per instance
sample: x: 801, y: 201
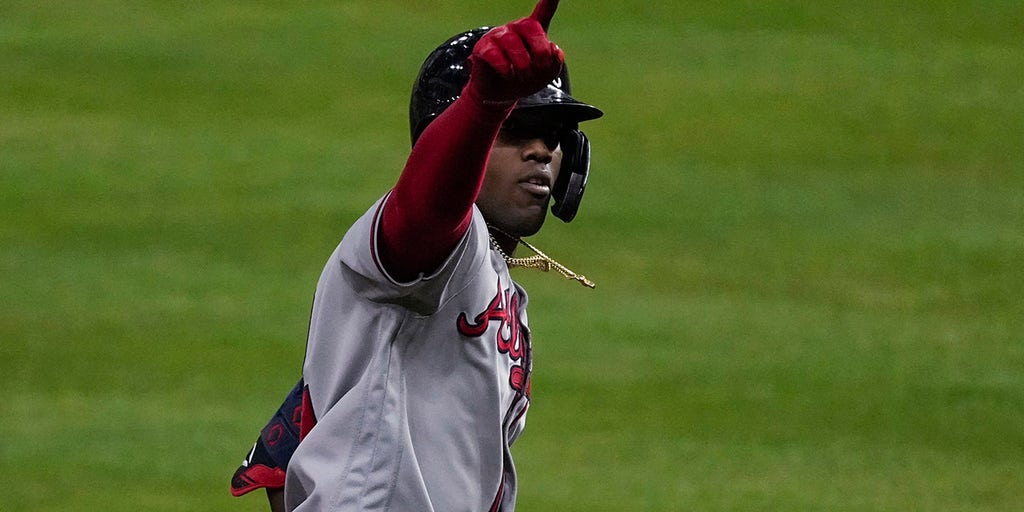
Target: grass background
x: 806, y: 222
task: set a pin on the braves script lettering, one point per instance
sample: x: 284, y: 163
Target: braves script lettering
x: 504, y: 309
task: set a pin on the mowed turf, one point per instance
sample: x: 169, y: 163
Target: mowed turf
x: 805, y: 220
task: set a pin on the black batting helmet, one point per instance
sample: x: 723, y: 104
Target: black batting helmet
x: 446, y: 70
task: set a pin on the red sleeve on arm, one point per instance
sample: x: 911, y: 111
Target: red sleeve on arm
x: 431, y: 206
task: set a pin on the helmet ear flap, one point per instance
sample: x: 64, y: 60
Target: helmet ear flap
x: 572, y: 177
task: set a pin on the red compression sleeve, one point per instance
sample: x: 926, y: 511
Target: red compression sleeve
x: 431, y: 206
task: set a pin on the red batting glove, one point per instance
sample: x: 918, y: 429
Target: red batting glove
x: 515, y: 60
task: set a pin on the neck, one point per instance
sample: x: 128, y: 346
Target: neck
x: 507, y: 242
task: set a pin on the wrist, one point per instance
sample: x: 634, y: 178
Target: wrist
x: 496, y: 106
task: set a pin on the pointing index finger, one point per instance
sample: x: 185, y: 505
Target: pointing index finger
x: 544, y: 11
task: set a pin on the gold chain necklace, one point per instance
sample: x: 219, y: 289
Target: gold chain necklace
x: 540, y: 261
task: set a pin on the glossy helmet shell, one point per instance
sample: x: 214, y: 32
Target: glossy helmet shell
x: 446, y: 70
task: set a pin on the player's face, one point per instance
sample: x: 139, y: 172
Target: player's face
x: 521, y: 172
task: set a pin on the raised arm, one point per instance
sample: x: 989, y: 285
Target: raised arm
x: 430, y: 207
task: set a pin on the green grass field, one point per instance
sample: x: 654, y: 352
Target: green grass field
x: 805, y: 219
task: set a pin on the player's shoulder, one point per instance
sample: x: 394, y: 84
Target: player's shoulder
x: 355, y: 266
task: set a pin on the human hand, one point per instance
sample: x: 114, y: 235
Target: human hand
x: 515, y: 60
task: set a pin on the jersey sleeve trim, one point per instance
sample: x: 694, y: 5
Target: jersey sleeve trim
x: 375, y: 240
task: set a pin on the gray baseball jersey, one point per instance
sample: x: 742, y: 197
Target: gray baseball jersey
x: 418, y: 388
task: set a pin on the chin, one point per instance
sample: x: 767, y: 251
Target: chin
x: 520, y: 227
x: 532, y: 226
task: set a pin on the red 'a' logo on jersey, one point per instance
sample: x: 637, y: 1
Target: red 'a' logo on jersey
x: 504, y: 309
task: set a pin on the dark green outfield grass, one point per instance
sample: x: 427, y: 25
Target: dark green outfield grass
x: 805, y: 219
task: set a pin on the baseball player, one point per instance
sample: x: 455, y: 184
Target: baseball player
x: 416, y: 379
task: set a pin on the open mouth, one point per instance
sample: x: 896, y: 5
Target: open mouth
x: 537, y: 185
